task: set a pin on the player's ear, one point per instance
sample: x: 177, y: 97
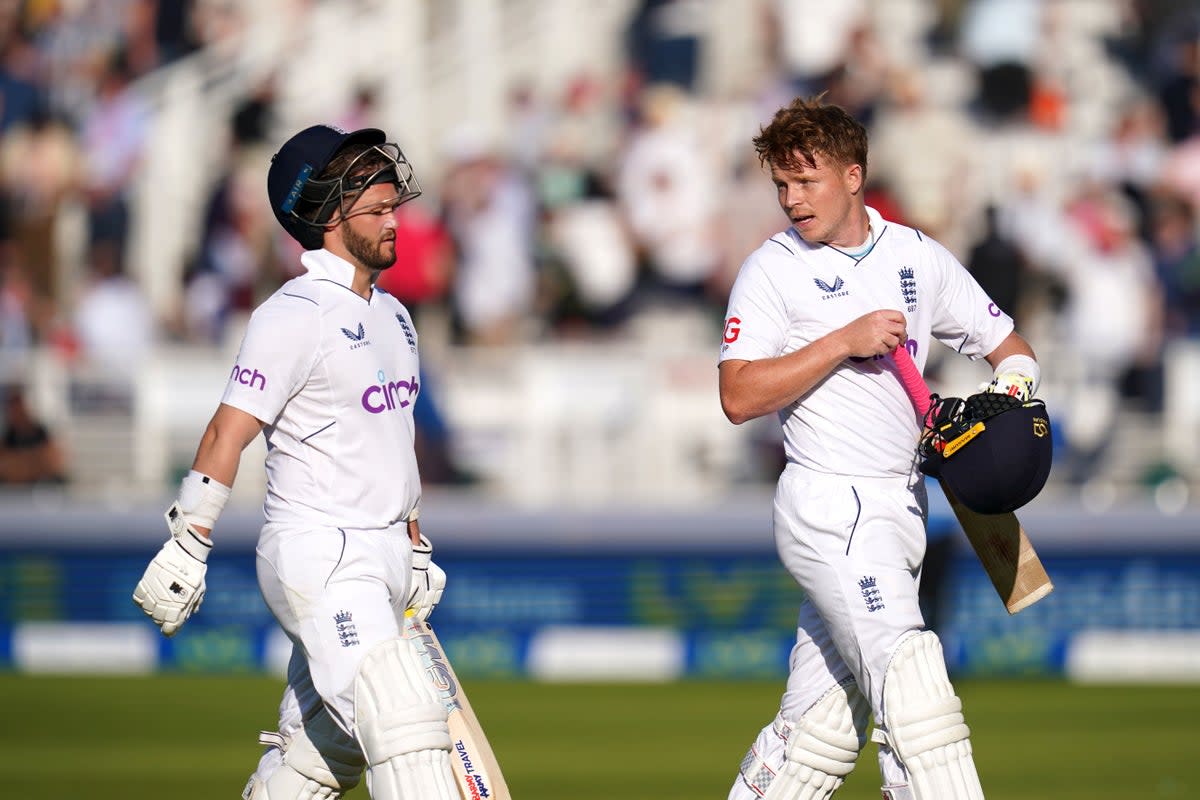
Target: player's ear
x: 854, y: 178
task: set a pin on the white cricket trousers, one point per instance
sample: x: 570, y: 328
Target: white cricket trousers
x: 855, y: 546
x: 336, y: 592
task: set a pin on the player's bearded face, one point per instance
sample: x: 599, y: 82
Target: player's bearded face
x: 818, y: 199
x: 369, y: 228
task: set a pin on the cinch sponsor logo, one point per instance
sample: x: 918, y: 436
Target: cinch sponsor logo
x: 993, y: 309
x: 249, y: 377
x: 389, y: 395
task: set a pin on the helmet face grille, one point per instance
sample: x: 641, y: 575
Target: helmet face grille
x: 304, y: 196
x: 339, y: 193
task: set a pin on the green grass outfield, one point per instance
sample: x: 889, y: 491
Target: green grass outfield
x: 193, y: 738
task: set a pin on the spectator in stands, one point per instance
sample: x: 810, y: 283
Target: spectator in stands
x: 1112, y: 322
x: 112, y: 136
x: 1175, y: 243
x: 586, y: 239
x: 28, y: 452
x: 932, y: 183
x: 113, y: 321
x: 668, y: 188
x: 1130, y: 157
x: 999, y: 266
x: 21, y: 99
x: 663, y: 43
x: 489, y: 210
x: 424, y: 268
x: 810, y: 39
x: 1179, y: 81
x: 16, y: 297
x: 39, y: 168
x: 420, y: 278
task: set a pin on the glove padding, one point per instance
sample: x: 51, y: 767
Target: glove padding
x: 428, y: 581
x: 172, y: 587
x: 1013, y: 384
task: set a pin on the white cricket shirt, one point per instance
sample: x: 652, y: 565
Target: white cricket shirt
x: 334, y: 377
x: 789, y: 293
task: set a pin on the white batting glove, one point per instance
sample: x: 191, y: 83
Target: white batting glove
x: 172, y: 587
x: 1013, y: 384
x: 428, y: 581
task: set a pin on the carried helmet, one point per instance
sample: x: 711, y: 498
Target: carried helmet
x: 992, y: 451
x: 304, y: 198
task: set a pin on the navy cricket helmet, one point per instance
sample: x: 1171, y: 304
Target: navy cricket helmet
x: 304, y: 200
x: 992, y: 451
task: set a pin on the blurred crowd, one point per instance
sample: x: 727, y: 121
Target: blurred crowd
x: 1062, y: 168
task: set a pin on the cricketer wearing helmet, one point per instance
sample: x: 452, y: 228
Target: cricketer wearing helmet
x: 812, y: 316
x: 327, y: 372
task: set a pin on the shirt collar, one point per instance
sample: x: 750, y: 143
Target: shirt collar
x: 878, y: 223
x: 322, y: 264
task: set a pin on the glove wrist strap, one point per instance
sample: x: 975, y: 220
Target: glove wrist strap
x: 1022, y: 365
x: 201, y: 499
x: 195, y: 545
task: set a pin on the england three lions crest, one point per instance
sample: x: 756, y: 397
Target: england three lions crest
x: 908, y: 288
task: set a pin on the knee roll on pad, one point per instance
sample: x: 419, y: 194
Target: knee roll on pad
x: 924, y: 723
x: 401, y: 724
x: 319, y: 762
x: 822, y: 746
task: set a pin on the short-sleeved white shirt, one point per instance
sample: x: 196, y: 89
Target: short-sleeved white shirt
x: 334, y: 378
x: 789, y: 293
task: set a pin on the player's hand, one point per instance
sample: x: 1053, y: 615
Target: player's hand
x: 172, y: 587
x: 428, y: 581
x: 875, y: 334
x: 1013, y: 384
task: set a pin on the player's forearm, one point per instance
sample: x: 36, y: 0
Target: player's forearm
x: 219, y: 454
x: 1013, y: 345
x: 751, y: 389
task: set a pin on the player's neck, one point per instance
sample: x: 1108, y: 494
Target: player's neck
x: 865, y: 241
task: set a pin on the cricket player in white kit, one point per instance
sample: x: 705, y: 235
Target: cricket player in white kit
x: 327, y: 371
x: 812, y: 317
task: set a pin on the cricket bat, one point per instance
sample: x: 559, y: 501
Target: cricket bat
x: 999, y: 540
x: 471, y: 758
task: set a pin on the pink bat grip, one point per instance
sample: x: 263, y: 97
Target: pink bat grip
x: 910, y: 378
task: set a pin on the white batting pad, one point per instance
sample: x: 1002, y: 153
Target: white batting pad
x: 401, y: 724
x: 319, y: 762
x: 924, y: 723
x: 821, y: 748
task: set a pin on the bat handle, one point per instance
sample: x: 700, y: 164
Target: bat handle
x: 910, y: 378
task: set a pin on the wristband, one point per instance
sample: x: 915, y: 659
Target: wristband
x: 201, y: 499
x: 1022, y: 365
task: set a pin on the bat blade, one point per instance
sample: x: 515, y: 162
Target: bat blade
x: 1007, y: 555
x: 471, y: 757
x: 999, y: 540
